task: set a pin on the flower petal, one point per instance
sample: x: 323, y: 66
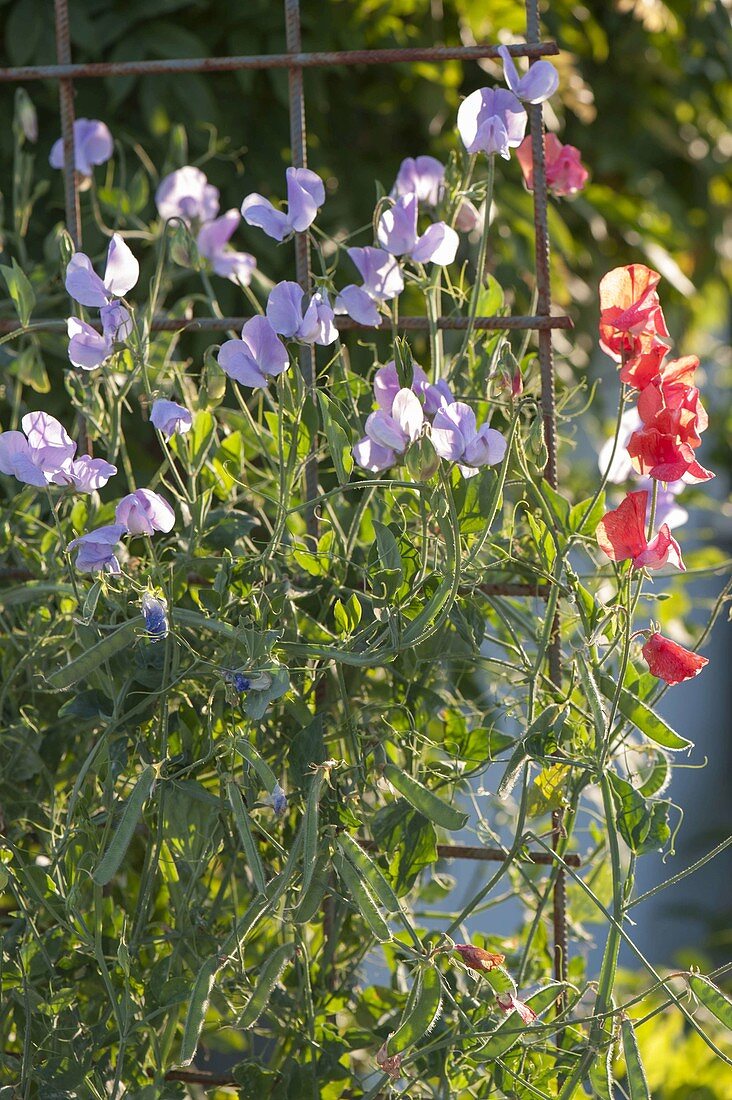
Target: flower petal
x: 438, y: 245
x: 305, y: 193
x: 122, y: 270
x: 82, y: 282
x: 258, y: 211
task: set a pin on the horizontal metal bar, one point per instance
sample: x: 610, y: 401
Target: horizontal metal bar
x: 343, y: 324
x: 318, y: 60
x: 483, y: 855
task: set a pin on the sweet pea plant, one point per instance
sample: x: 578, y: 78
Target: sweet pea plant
x: 239, y: 717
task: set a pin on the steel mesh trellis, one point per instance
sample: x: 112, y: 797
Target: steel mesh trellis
x: 543, y: 322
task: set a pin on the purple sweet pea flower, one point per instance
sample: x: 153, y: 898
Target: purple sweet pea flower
x: 259, y: 355
x: 455, y: 436
x: 92, y: 145
x: 96, y: 549
x: 278, y: 800
x: 155, y: 614
x: 120, y: 275
x: 389, y: 434
x: 420, y: 176
x: 212, y: 240
x: 37, y: 453
x: 85, y: 474
x: 491, y: 120
x: 386, y: 387
x: 187, y: 194
x: 539, y: 83
x: 87, y: 347
x: 144, y: 512
x: 305, y: 194
x: 170, y: 418
x: 382, y: 281
x: 285, y: 314
x: 397, y: 233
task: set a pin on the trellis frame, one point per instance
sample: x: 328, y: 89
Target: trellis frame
x: 543, y: 321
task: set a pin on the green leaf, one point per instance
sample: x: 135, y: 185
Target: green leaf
x: 713, y: 999
x: 269, y: 975
x: 592, y: 695
x: 87, y: 662
x: 589, y: 525
x: 339, y: 443
x: 643, y: 718
x: 197, y: 1008
x: 311, y: 899
x: 120, y: 842
x: 347, y: 615
x: 428, y: 804
x: 371, y: 873
x: 637, y: 1083
x: 421, y: 1012
x: 559, y: 506
x: 310, y: 829
x: 266, y: 776
x: 357, y: 891
x: 20, y: 290
x: 244, y: 829
x: 388, y: 550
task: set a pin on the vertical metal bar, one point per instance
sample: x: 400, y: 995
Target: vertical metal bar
x: 298, y: 143
x: 66, y: 101
x: 548, y: 407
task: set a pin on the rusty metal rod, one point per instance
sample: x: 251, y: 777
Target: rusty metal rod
x: 482, y: 855
x: 343, y: 324
x: 314, y: 60
x: 66, y: 103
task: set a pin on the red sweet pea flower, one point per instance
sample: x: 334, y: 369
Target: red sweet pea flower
x: 631, y: 320
x: 565, y: 173
x: 621, y: 535
x: 665, y: 457
x: 508, y: 1003
x: 642, y: 367
x: 670, y: 661
x: 673, y: 406
x: 475, y: 958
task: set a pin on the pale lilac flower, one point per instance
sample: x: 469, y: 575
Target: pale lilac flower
x: 259, y: 355
x: 92, y: 145
x: 285, y: 314
x: 27, y: 116
x: 622, y: 467
x: 187, y: 194
x: 278, y: 800
x: 491, y: 120
x: 212, y: 240
x: 155, y: 614
x: 388, y: 434
x: 170, y: 418
x: 537, y: 84
x: 382, y: 281
x: 420, y: 176
x: 120, y: 275
x: 455, y: 436
x: 85, y: 474
x: 305, y: 194
x: 144, y: 512
x: 43, y: 454
x: 397, y: 233
x: 87, y: 347
x: 386, y: 387
x: 96, y: 549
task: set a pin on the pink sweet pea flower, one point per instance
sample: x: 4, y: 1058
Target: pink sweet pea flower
x: 96, y: 549
x: 508, y: 1004
x: 286, y: 316
x: 665, y: 457
x: 382, y: 281
x: 144, y: 512
x: 565, y: 173
x: 669, y: 661
x: 456, y: 437
x: 120, y: 275
x: 389, y: 434
x: 305, y: 194
x: 258, y: 356
x: 212, y: 240
x: 537, y: 84
x: 491, y: 120
x: 92, y: 145
x: 397, y: 233
x: 621, y: 534
x: 386, y: 387
x: 187, y: 194
x: 170, y: 418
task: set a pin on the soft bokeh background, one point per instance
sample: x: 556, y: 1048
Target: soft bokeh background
x: 645, y: 94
